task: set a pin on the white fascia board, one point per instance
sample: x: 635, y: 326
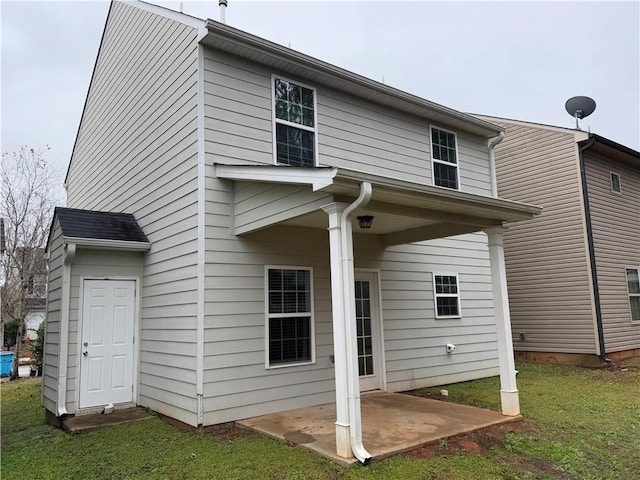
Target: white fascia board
x: 440, y: 194
x: 407, y: 193
x: 318, y: 178
x: 103, y: 244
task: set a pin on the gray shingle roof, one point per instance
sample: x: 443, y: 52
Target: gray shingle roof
x: 102, y: 225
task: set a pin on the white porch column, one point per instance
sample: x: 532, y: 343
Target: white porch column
x: 508, y: 388
x: 338, y: 290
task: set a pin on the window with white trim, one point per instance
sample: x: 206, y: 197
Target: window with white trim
x: 615, y: 182
x: 294, y: 107
x: 444, y: 158
x: 289, y: 316
x: 447, y: 295
x: 633, y: 289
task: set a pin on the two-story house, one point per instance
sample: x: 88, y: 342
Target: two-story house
x: 253, y: 230
x: 573, y: 272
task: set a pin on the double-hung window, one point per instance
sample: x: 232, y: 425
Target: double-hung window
x: 444, y: 158
x: 294, y: 107
x: 633, y: 289
x: 289, y: 316
x: 447, y: 295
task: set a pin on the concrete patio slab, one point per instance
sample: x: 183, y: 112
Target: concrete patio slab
x: 392, y: 423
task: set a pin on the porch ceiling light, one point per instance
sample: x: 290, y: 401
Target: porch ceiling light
x: 365, y: 221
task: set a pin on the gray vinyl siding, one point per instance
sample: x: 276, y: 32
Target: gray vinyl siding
x: 92, y: 264
x: 237, y: 384
x: 259, y: 204
x: 548, y: 277
x: 615, y: 221
x: 52, y: 324
x: 352, y: 133
x: 136, y: 152
x: 414, y: 339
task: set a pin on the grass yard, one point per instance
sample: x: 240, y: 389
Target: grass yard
x: 580, y: 424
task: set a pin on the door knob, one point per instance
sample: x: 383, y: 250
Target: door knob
x: 85, y: 353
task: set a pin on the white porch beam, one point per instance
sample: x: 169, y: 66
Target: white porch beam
x: 343, y: 444
x: 429, y: 232
x: 508, y: 388
x: 318, y: 178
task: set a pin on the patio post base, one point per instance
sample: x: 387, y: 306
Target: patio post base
x: 510, y: 402
x: 343, y: 444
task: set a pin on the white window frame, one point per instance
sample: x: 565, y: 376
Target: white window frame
x: 447, y: 295
x: 268, y: 316
x: 630, y: 295
x: 617, y: 192
x: 435, y: 160
x: 275, y: 121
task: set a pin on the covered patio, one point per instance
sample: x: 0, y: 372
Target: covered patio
x: 392, y: 423
x: 337, y: 199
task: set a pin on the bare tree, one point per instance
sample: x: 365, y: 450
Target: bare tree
x: 28, y: 194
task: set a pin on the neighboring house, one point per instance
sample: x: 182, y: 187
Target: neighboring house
x: 194, y: 273
x: 36, y: 296
x: 32, y: 295
x: 573, y: 271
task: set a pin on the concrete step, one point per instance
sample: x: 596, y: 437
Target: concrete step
x: 86, y: 423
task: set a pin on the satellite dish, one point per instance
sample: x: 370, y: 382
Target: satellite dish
x: 580, y: 107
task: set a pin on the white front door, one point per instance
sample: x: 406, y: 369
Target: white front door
x: 106, y: 351
x: 368, y: 331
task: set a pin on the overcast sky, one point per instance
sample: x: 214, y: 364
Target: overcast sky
x: 519, y: 60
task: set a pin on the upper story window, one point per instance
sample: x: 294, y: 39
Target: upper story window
x: 615, y: 183
x: 447, y: 295
x: 37, y: 286
x: 289, y: 316
x: 633, y: 288
x: 444, y: 158
x: 294, y: 107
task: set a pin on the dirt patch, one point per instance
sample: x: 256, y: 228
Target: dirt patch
x: 627, y: 365
x: 225, y: 432
x: 483, y: 440
x: 476, y: 442
x: 228, y: 432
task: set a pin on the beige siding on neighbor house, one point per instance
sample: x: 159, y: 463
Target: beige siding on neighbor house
x: 355, y: 134
x: 547, y: 259
x: 136, y: 153
x: 52, y: 324
x: 615, y: 220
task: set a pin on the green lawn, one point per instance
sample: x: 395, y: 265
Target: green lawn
x: 581, y: 424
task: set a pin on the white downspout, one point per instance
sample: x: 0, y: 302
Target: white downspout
x: 69, y: 253
x: 491, y: 143
x: 353, y: 379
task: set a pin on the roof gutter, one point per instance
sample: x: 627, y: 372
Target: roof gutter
x: 592, y: 254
